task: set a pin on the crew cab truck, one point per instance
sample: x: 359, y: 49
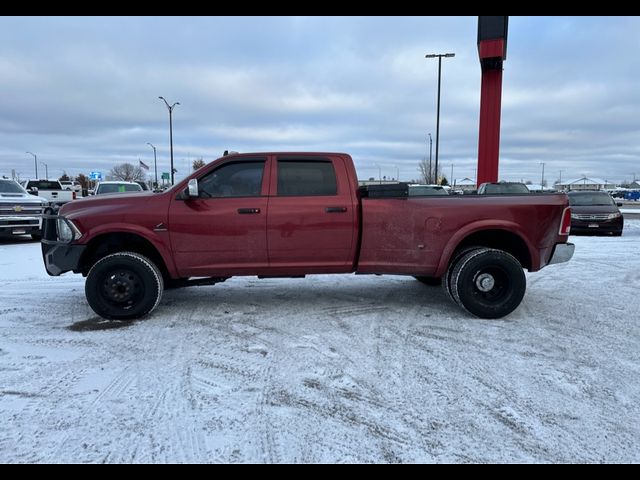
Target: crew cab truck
x: 294, y: 214
x: 20, y: 213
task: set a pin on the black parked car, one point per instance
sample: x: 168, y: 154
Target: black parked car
x: 594, y: 212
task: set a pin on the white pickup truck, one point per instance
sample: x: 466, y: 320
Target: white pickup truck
x: 52, y: 190
x: 20, y: 213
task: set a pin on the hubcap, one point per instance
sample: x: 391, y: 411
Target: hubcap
x: 485, y: 282
x: 121, y: 288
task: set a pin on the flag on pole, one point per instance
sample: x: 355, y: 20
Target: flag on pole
x: 143, y: 165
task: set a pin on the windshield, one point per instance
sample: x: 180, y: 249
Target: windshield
x: 496, y: 188
x: 9, y: 186
x: 420, y: 190
x: 583, y: 199
x: 118, y: 188
x: 44, y: 184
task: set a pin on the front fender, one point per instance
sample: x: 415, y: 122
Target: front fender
x: 160, y: 240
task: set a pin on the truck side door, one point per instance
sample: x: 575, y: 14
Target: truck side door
x: 223, y: 231
x: 312, y: 222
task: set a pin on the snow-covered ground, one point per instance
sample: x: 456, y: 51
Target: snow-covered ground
x: 325, y: 369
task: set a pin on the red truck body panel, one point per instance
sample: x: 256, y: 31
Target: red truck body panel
x: 297, y: 235
x: 417, y: 236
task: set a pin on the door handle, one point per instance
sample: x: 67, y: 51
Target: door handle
x: 335, y: 209
x: 248, y: 211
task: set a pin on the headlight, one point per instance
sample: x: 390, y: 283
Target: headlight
x: 574, y: 216
x: 67, y: 231
x: 613, y: 215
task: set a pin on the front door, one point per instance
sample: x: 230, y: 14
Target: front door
x: 223, y: 231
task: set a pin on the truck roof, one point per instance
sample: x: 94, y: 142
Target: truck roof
x: 282, y: 154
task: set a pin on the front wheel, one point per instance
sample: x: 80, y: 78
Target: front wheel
x: 488, y: 283
x: 124, y: 286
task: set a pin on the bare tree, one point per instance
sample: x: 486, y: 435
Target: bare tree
x: 64, y: 177
x: 82, y: 179
x: 426, y: 173
x: 199, y: 163
x: 128, y: 172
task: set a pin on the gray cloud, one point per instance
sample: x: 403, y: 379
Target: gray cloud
x: 82, y: 92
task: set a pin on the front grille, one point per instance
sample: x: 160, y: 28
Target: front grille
x: 597, y: 216
x: 21, y: 223
x: 25, y: 210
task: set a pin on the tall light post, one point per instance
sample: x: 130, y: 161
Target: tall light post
x: 155, y: 161
x: 379, y: 174
x: 542, y: 180
x: 35, y: 160
x: 560, y: 182
x: 170, y: 108
x: 46, y: 169
x: 451, y: 178
x: 439, y: 57
x: 397, y: 173
x: 430, y: 145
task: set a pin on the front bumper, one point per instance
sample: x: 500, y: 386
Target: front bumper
x: 562, y: 253
x: 59, y: 257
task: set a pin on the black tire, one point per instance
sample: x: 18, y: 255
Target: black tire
x: 431, y: 281
x: 123, y: 286
x: 617, y: 234
x: 455, y: 258
x: 488, y: 283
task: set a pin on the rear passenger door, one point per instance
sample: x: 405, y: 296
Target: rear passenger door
x: 311, y: 222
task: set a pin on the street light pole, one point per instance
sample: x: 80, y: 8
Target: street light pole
x: 155, y: 162
x: 430, y: 145
x: 46, y: 169
x: 560, y: 183
x: 35, y: 160
x: 170, y: 108
x: 379, y: 174
x: 542, y: 180
x: 439, y: 56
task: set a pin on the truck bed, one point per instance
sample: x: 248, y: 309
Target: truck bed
x: 417, y: 235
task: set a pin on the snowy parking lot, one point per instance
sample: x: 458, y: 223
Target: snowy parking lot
x: 325, y: 369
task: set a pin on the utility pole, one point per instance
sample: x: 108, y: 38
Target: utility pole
x: 439, y: 57
x: 542, y: 180
x: 35, y: 160
x: 430, y: 179
x: 170, y: 108
x: 155, y: 161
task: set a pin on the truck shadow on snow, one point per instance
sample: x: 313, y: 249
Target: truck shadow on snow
x: 98, y: 323
x: 309, y: 298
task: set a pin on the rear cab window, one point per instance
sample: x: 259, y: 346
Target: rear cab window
x: 306, y: 177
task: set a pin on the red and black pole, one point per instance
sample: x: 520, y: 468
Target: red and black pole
x: 492, y: 50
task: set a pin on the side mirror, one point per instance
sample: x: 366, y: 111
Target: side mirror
x: 32, y: 191
x: 619, y: 204
x: 192, y: 188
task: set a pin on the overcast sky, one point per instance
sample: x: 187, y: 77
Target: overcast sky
x: 81, y: 93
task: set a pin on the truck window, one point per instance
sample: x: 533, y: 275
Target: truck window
x: 302, y: 177
x: 44, y: 185
x: 239, y: 179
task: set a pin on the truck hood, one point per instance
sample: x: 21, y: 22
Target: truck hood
x: 594, y: 209
x: 106, y: 201
x: 21, y: 198
x: 119, y: 202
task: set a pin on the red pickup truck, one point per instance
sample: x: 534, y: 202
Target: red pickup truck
x: 293, y: 214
